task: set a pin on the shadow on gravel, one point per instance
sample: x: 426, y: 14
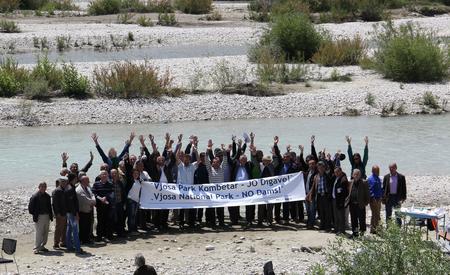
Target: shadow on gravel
x: 53, y: 253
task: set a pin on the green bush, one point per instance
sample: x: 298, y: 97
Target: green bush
x: 371, y: 10
x: 394, y: 251
x: 8, y: 85
x: 32, y: 4
x: 9, y: 5
x: 341, y: 52
x: 73, y: 83
x: 9, y: 26
x: 296, y: 36
x: 129, y: 80
x: 167, y: 19
x: 144, y: 21
x: 194, y: 6
x: 410, y: 54
x: 289, y: 6
x: 12, y: 78
x: 37, y: 89
x: 47, y: 70
x: 99, y: 7
x: 61, y: 5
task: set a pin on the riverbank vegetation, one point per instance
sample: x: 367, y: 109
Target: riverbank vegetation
x: 395, y: 250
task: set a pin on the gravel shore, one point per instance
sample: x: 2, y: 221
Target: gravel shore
x: 185, y: 253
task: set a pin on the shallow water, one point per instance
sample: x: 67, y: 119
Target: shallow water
x: 419, y: 144
x: 160, y: 52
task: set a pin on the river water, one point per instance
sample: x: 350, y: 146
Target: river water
x: 155, y: 52
x: 419, y: 144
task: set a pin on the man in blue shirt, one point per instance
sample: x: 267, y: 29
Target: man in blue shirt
x: 376, y: 192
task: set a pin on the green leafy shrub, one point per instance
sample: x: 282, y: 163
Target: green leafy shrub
x: 410, y: 54
x: 9, y: 5
x: 144, y: 21
x: 129, y: 80
x: 394, y: 251
x: 49, y: 71
x: 194, y: 6
x: 99, y: 7
x: 9, y: 26
x: 335, y: 76
x: 259, y: 10
x: 223, y: 76
x: 371, y: 10
x: 73, y: 83
x: 430, y: 100
x: 61, y: 5
x: 37, y: 89
x: 12, y: 78
x: 32, y: 4
x: 167, y: 19
x: 147, y: 6
x: 214, y: 16
x: 341, y: 52
x: 289, y: 6
x: 295, y: 36
x: 125, y: 18
x: 370, y: 99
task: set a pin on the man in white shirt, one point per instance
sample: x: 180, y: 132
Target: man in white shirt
x: 186, y: 171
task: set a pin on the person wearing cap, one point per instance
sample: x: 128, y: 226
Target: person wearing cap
x: 59, y: 210
x: 41, y: 208
x: 355, y: 159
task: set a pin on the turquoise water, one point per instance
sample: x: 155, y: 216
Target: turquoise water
x: 419, y: 144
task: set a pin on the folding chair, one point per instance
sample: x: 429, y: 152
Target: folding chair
x: 9, y: 247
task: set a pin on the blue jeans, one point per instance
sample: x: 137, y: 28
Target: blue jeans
x: 392, y: 202
x: 132, y: 208
x: 72, y: 232
x: 311, y: 211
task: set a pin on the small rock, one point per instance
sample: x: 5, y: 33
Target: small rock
x: 252, y: 249
x: 166, y: 248
x: 179, y: 249
x: 306, y: 249
x: 242, y: 238
x: 238, y: 241
x: 316, y: 248
x: 209, y: 247
x: 174, y: 241
x: 295, y: 249
x: 160, y: 250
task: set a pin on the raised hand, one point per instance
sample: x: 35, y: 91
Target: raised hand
x: 210, y: 144
x: 240, y: 142
x: 288, y: 148
x: 366, y: 140
x: 64, y: 157
x: 301, y: 147
x: 313, y: 139
x: 132, y: 135
x: 222, y: 146
x: 95, y: 138
x: 142, y: 139
x: 151, y: 138
x: 252, y: 135
x: 233, y: 138
x: 348, y: 139
x: 252, y: 148
x: 276, y: 139
x: 328, y: 156
x: 167, y: 137
x: 180, y: 138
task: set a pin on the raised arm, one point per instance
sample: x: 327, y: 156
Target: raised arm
x: 366, y: 151
x: 313, y: 148
x: 126, y: 148
x: 89, y: 164
x: 349, y: 150
x: 302, y: 159
x: 209, y: 152
x: 64, y: 157
x: 100, y: 150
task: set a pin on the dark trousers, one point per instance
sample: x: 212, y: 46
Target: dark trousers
x: 119, y: 218
x: 160, y: 217
x: 358, y: 217
x: 339, y: 218
x: 265, y: 213
x: 325, y: 211
x: 250, y: 213
x: 85, y: 226
x: 104, y: 221
x: 188, y: 216
x: 277, y: 207
x: 234, y: 214
x: 212, y: 213
x: 392, y: 202
x: 199, y: 216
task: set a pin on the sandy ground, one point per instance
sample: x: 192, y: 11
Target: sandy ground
x: 185, y: 252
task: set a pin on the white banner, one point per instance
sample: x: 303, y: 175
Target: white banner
x: 155, y: 195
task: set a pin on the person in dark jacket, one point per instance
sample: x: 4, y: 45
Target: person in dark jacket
x: 60, y: 212
x: 394, y: 185
x: 355, y: 159
x: 74, y: 166
x: 104, y: 195
x: 142, y: 268
x: 118, y: 207
x: 339, y: 194
x: 41, y: 208
x: 201, y: 176
x: 72, y: 208
x: 358, y: 198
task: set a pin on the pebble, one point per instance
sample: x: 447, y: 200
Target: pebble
x: 209, y: 248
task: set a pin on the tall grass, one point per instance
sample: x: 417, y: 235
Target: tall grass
x: 73, y: 83
x: 12, y: 78
x: 194, y: 6
x: 341, y: 52
x: 410, y: 54
x: 9, y: 26
x: 129, y: 80
x: 49, y: 71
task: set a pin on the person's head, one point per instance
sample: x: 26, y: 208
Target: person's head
x: 112, y: 153
x: 122, y: 166
x: 357, y: 158
x: 42, y: 187
x: 216, y: 163
x: 104, y: 167
x: 266, y: 160
x: 63, y: 181
x: 356, y: 174
x: 287, y: 158
x: 114, y: 174
x: 133, y: 159
x: 139, y: 260
x: 84, y: 181
x: 74, y: 168
x: 160, y: 161
x: 202, y: 157
x: 218, y: 153
x: 312, y: 165
x: 139, y: 165
x: 376, y: 170
x: 321, y: 167
x: 393, y: 168
x: 103, y: 176
x: 338, y: 171
x: 136, y: 174
x: 243, y: 159
x: 72, y: 178
x: 259, y: 155
x: 186, y: 159
x: 64, y: 172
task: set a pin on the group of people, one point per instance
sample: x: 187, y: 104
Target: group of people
x: 331, y: 195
